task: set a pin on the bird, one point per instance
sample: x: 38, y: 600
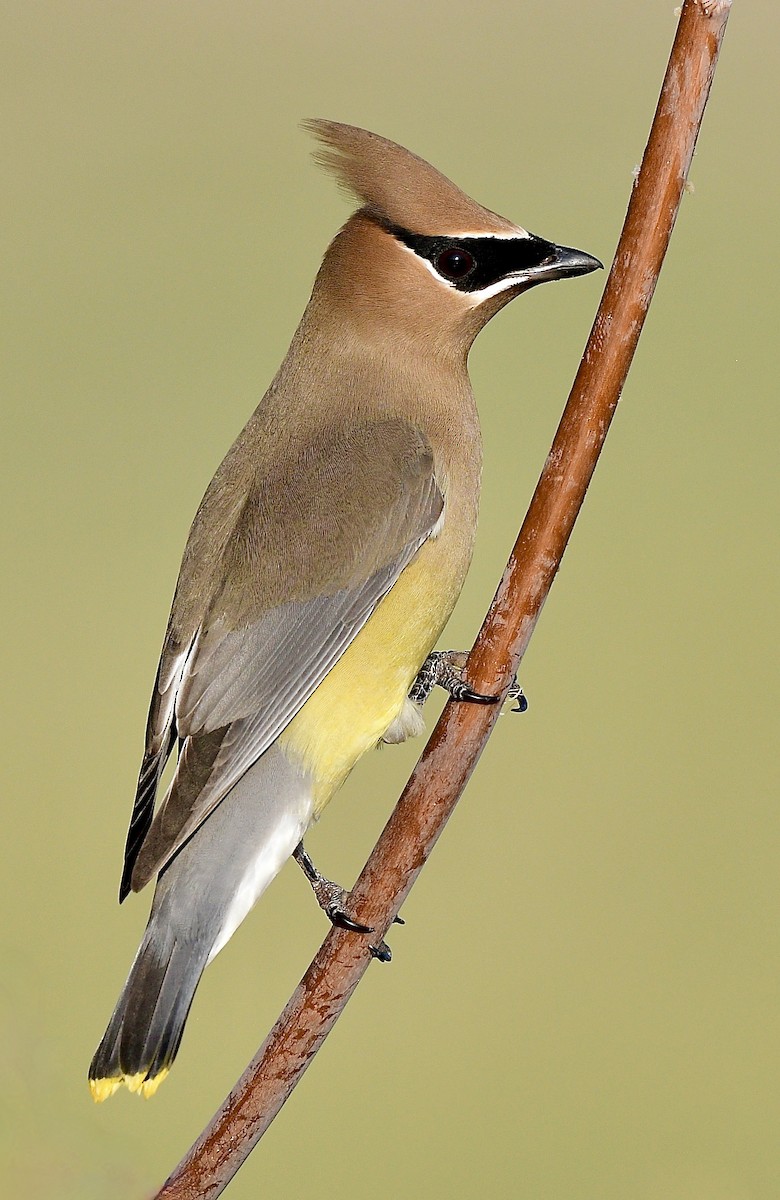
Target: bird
x: 320, y: 570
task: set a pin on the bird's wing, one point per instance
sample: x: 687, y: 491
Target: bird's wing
x: 312, y: 567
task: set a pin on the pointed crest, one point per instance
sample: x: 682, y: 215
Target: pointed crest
x: 397, y: 186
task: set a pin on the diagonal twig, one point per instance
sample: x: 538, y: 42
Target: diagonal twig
x: 462, y: 731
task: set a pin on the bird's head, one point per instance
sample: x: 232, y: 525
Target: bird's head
x: 420, y: 259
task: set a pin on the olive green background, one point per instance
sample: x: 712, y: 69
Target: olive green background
x: 584, y: 1001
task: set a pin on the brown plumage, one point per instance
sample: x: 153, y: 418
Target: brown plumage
x: 398, y: 186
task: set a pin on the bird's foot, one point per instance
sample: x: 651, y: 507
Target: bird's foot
x: 444, y: 668
x: 516, y: 693
x: 330, y: 897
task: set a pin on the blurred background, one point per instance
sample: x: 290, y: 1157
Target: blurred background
x: 599, y: 1017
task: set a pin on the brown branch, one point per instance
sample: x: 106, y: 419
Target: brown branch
x: 461, y: 733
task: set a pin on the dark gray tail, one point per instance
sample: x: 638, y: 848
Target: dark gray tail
x: 147, y: 1024
x: 201, y: 896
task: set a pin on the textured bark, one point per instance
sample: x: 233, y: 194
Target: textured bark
x: 460, y: 735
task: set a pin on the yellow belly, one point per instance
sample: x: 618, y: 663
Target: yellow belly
x: 365, y: 691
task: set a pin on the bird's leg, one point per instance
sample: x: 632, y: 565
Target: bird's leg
x: 445, y: 669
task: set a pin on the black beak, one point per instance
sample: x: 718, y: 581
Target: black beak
x: 562, y: 263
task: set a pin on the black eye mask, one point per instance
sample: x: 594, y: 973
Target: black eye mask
x: 473, y: 263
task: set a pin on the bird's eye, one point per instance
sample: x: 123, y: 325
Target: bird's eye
x: 455, y: 263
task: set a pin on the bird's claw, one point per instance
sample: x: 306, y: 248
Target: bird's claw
x: 338, y: 916
x: 459, y: 690
x: 382, y: 952
x: 516, y: 693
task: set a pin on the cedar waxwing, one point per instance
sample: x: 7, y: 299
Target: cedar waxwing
x: 321, y: 567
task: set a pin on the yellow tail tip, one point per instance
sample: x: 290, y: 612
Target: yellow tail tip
x: 150, y: 1086
x: 103, y: 1088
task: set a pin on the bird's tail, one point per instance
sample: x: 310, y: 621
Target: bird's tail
x: 202, y: 895
x: 146, y: 1026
